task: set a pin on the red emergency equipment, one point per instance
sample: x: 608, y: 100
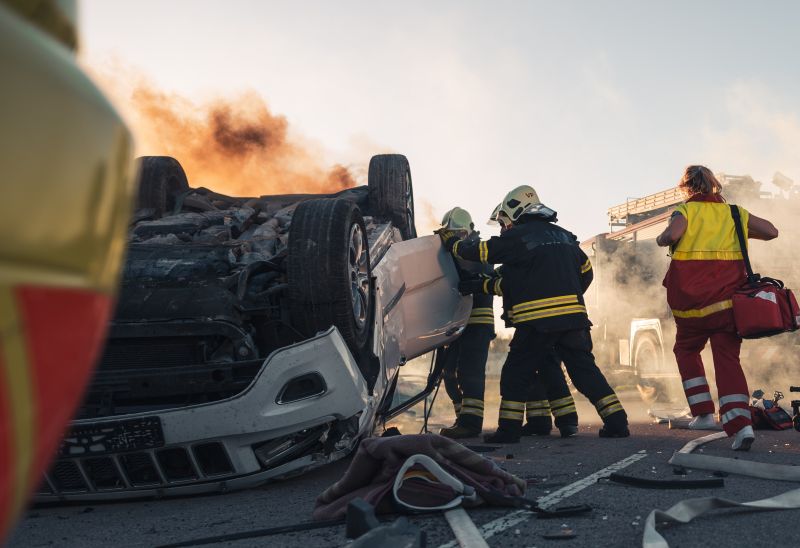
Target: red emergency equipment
x: 762, y: 307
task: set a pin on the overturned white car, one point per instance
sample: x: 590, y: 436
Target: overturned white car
x: 255, y: 337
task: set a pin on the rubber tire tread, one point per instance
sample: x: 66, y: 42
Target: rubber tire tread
x: 161, y: 180
x: 387, y: 192
x: 318, y: 270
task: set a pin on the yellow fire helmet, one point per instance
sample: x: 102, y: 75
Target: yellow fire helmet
x: 458, y: 219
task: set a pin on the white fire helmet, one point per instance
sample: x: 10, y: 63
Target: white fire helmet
x: 517, y: 202
x: 458, y: 219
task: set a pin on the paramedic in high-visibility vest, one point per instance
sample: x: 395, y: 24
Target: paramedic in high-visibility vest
x: 543, y: 278
x: 707, y: 268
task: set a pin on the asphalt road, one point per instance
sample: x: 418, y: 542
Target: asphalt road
x: 561, y: 470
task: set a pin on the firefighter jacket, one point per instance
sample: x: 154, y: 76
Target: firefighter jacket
x: 482, y: 309
x: 543, y: 275
x: 707, y: 265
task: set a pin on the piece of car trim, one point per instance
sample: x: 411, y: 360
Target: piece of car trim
x: 394, y: 300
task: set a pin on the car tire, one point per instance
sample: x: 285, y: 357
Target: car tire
x: 329, y: 274
x: 391, y: 193
x: 161, y: 181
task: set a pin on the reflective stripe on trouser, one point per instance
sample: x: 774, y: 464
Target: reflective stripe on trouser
x: 731, y: 383
x: 563, y: 406
x: 471, y: 414
x: 537, y: 408
x: 698, y: 395
x: 607, y: 406
x: 471, y: 406
x: 512, y: 410
x: 734, y: 412
x: 511, y: 413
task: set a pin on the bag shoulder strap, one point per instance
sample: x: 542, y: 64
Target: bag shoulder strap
x: 737, y: 222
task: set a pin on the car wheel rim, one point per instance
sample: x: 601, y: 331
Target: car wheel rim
x: 359, y: 276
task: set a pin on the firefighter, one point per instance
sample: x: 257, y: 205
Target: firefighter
x: 707, y: 267
x: 465, y: 359
x: 542, y: 280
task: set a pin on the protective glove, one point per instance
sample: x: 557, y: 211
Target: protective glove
x: 449, y: 237
x: 470, y: 286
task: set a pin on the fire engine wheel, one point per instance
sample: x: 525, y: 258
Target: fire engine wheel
x: 391, y: 194
x: 328, y: 269
x: 161, y: 181
x: 645, y: 355
x: 647, y: 362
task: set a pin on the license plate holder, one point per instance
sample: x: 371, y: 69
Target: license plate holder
x: 113, y: 437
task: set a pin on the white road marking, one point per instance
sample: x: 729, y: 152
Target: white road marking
x: 464, y: 529
x: 511, y: 519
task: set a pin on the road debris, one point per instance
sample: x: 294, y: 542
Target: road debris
x: 666, y: 484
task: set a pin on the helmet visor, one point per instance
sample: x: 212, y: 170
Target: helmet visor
x: 493, y: 217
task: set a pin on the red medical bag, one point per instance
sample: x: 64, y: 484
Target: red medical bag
x: 765, y: 308
x: 762, y: 307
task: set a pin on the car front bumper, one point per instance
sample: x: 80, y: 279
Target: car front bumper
x: 230, y: 444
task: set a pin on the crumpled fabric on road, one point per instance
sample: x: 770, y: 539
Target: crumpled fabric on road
x: 372, y: 472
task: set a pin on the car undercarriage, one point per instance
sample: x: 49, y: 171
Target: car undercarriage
x: 254, y: 337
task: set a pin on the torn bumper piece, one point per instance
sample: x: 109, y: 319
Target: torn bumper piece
x: 307, y: 406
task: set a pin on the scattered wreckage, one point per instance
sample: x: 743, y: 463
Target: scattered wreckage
x: 255, y: 337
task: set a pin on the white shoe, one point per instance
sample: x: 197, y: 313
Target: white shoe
x: 703, y: 422
x: 743, y: 439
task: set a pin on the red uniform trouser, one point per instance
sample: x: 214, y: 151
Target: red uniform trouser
x: 734, y: 402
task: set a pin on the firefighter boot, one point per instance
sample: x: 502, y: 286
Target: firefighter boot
x: 508, y: 431
x: 615, y: 426
x: 457, y: 432
x: 467, y: 426
x: 567, y: 424
x: 537, y: 426
x: 615, y: 420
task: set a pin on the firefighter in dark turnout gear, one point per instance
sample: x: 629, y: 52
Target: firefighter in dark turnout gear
x: 543, y: 278
x: 465, y: 359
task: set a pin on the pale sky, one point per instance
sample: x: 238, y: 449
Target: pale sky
x: 589, y: 102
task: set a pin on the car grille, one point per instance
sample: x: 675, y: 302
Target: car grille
x: 152, y: 353
x: 141, y: 469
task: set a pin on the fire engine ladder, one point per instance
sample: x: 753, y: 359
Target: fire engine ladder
x: 618, y: 215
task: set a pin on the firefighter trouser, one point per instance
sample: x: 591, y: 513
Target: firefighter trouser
x: 465, y: 373
x: 549, y: 393
x: 529, y: 352
x: 734, y: 402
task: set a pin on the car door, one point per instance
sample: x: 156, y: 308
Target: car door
x: 419, y: 304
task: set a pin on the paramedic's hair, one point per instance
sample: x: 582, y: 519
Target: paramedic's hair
x: 699, y: 180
